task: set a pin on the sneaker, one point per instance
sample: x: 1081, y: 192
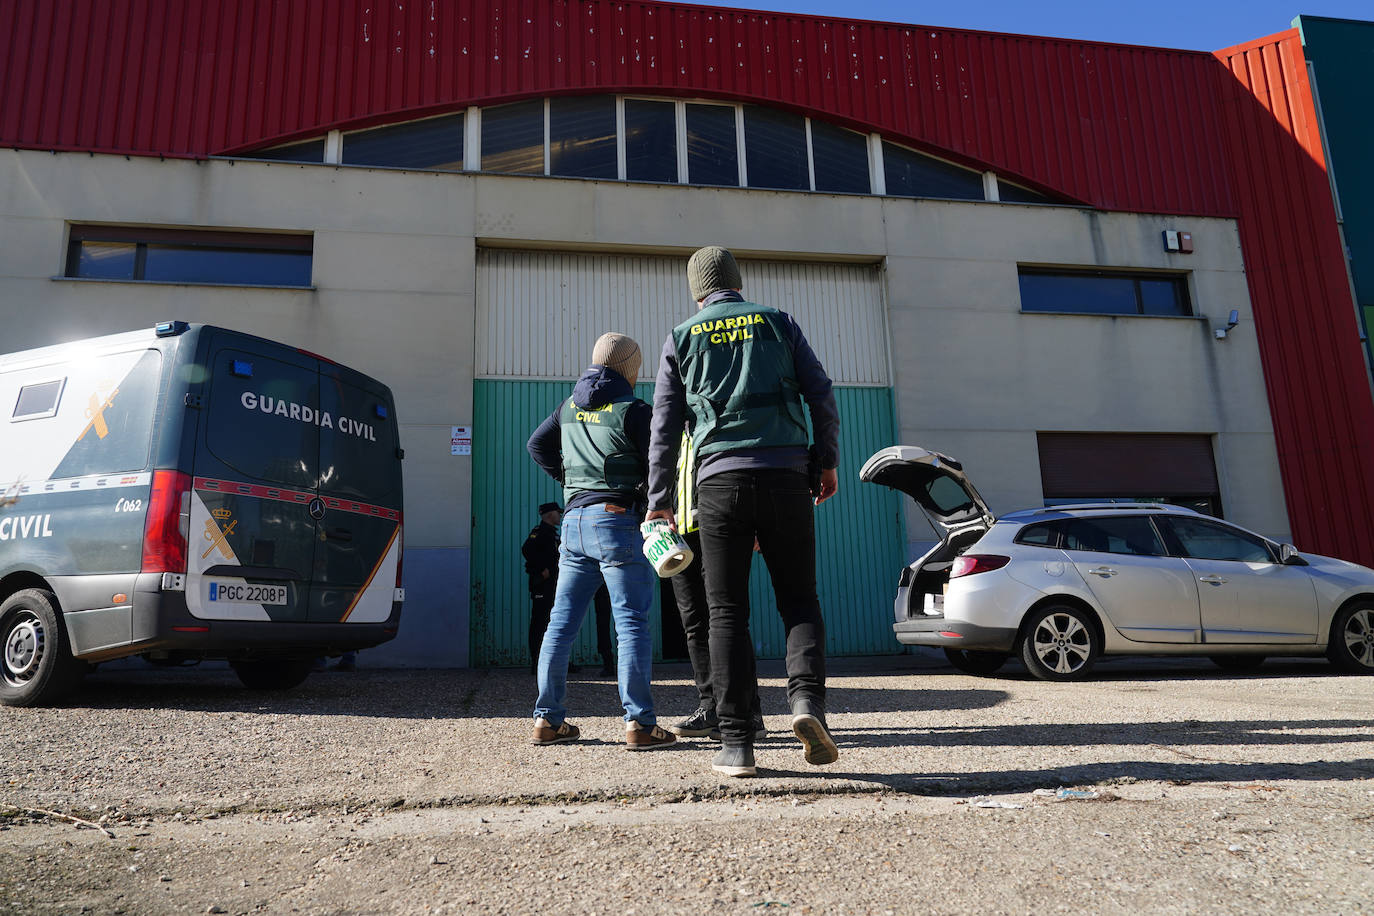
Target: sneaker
x: 646, y: 738
x: 545, y: 733
x: 734, y: 761
x: 809, y: 727
x: 700, y: 724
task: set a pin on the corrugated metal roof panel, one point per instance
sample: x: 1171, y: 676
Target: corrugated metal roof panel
x: 1309, y: 342
x: 202, y: 77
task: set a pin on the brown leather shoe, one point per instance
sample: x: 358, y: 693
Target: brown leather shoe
x: 544, y: 733
x: 646, y: 738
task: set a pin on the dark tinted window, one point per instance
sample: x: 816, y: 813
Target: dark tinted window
x: 265, y: 421
x: 775, y: 149
x: 38, y: 400
x: 358, y: 452
x: 1126, y: 534
x: 308, y: 151
x: 1015, y: 194
x: 947, y: 496
x: 190, y: 256
x: 1039, y: 536
x: 582, y: 137
x: 436, y: 143
x: 840, y: 159
x: 1101, y: 292
x: 650, y: 141
x: 711, y: 145
x: 513, y: 138
x: 120, y: 410
x: 1206, y: 540
x: 910, y: 174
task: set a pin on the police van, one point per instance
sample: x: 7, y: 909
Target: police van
x: 191, y: 492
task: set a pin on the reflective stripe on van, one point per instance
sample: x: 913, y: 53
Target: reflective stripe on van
x: 295, y: 496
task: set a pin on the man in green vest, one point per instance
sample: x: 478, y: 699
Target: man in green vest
x: 735, y: 377
x: 596, y: 444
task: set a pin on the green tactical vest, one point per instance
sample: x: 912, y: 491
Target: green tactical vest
x: 597, y: 452
x: 741, y: 382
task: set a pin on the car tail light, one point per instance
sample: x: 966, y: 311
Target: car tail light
x: 164, y: 531
x: 971, y: 563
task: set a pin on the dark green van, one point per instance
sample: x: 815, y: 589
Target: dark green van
x: 190, y: 492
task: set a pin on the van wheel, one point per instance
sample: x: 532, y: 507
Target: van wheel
x: 273, y: 674
x: 1351, y: 645
x: 974, y: 662
x: 36, y: 664
x: 1060, y: 644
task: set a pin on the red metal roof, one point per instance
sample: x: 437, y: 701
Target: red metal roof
x: 1304, y: 315
x: 1116, y: 127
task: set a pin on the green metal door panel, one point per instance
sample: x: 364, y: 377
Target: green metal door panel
x: 859, y: 536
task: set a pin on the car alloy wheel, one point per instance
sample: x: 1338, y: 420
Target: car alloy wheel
x: 1060, y: 644
x: 1352, y: 638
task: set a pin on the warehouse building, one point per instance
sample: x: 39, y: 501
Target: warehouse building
x: 1023, y: 252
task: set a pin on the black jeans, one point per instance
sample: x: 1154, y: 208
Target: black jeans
x: 541, y: 603
x: 734, y: 508
x: 689, y: 590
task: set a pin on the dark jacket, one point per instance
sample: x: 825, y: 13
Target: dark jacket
x: 670, y: 407
x: 540, y: 551
x: 596, y: 387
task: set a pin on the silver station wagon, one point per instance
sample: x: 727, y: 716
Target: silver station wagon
x: 1061, y: 587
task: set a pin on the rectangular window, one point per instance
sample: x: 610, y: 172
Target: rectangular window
x: 435, y: 143
x: 190, y: 256
x: 840, y: 159
x: 1015, y: 194
x: 712, y: 150
x: 38, y: 400
x: 513, y: 138
x: 650, y: 141
x: 911, y: 174
x: 775, y: 149
x: 1103, y: 292
x: 582, y: 137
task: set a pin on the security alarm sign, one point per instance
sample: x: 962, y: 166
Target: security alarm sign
x: 461, y: 441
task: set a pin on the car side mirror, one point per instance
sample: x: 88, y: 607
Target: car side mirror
x: 1289, y: 556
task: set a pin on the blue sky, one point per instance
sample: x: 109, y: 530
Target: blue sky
x: 1202, y: 25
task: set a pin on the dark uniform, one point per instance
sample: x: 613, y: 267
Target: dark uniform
x: 541, y: 555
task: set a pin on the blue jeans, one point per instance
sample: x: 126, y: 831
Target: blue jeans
x: 598, y: 545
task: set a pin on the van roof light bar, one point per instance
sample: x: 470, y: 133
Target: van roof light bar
x: 171, y: 328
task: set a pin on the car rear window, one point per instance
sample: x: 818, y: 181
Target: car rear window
x: 1043, y: 535
x: 265, y: 418
x: 358, y: 455
x: 118, y: 403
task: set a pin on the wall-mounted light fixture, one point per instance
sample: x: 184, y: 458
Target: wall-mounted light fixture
x: 1231, y: 322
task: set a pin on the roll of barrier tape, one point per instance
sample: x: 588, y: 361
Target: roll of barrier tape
x: 665, y: 549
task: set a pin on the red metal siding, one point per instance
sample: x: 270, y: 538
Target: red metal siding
x: 1118, y: 127
x: 1304, y: 316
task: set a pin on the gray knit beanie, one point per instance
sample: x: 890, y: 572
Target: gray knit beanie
x: 711, y: 270
x: 618, y: 352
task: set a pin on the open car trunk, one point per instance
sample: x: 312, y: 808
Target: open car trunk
x: 937, y: 484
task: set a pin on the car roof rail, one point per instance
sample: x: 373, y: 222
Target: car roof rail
x: 1110, y: 507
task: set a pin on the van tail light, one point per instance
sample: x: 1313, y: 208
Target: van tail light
x: 400, y: 548
x: 164, y: 532
x: 971, y: 563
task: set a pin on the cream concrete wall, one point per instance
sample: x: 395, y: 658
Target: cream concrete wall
x: 394, y: 293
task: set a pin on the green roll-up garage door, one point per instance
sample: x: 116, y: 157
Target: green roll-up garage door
x: 859, y: 532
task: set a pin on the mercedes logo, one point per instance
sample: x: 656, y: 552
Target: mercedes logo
x: 316, y: 508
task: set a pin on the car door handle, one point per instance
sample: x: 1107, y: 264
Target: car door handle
x: 1105, y: 572
x: 1212, y: 580
x: 339, y: 534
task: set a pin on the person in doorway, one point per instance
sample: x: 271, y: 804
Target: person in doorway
x: 689, y: 591
x: 735, y: 376
x: 540, y: 551
x: 596, y: 444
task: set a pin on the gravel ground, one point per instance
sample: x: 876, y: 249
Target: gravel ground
x: 417, y: 791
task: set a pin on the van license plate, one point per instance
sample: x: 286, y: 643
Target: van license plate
x: 243, y: 593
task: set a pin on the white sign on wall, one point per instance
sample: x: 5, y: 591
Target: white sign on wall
x: 461, y: 441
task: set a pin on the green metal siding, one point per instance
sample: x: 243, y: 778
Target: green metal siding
x: 859, y: 533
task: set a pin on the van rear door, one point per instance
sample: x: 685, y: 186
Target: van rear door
x: 255, y: 498
x: 358, y: 554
